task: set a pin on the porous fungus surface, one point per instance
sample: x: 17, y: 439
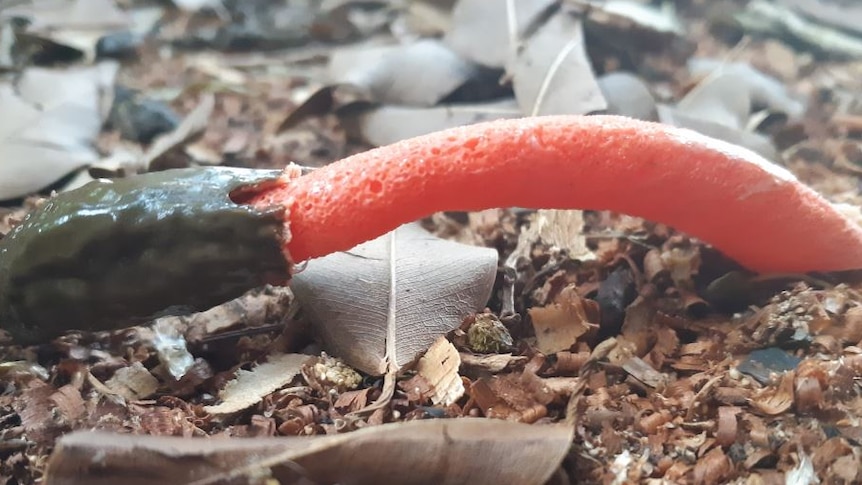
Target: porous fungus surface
x: 752, y: 210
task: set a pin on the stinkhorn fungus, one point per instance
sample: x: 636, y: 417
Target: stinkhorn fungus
x: 752, y: 210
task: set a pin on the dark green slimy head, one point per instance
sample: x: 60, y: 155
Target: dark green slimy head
x: 114, y: 253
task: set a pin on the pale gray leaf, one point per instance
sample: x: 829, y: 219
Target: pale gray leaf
x: 753, y: 141
x: 388, y: 124
x: 663, y: 19
x: 37, y: 148
x: 382, y: 304
x: 750, y: 82
x: 842, y: 15
x: 627, y: 95
x: 416, y: 74
x: 484, y: 30
x: 721, y: 98
x: 552, y: 74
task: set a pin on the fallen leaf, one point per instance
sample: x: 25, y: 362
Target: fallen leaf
x: 417, y: 74
x: 846, y: 15
x: 475, y: 451
x: 388, y: 124
x: 249, y: 387
x: 439, y: 366
x: 753, y: 141
x: 749, y: 83
x: 781, y: 20
x: 552, y: 74
x: 720, y: 98
x: 628, y: 95
x: 78, y: 24
x: 559, y: 324
x: 383, y: 303
x: 39, y: 147
x: 487, y: 31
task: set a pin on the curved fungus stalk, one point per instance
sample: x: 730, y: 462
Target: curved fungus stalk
x: 112, y: 253
x: 755, y: 212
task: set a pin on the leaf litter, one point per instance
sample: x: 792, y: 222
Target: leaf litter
x: 649, y: 370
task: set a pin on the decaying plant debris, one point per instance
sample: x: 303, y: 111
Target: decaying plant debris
x: 623, y: 353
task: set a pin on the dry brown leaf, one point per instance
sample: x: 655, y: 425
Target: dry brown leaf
x: 475, y: 451
x: 559, y: 324
x: 133, y: 382
x: 382, y: 304
x: 487, y: 31
x: 439, y: 367
x: 417, y: 74
x: 552, y: 74
x: 249, y: 387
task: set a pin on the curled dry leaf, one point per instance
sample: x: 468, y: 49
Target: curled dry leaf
x: 552, y: 74
x: 559, y: 324
x: 417, y: 74
x: 249, y: 387
x: 485, y: 30
x: 439, y: 367
x: 388, y: 124
x: 383, y: 303
x: 475, y: 451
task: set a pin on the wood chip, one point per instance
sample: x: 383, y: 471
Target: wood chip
x: 133, y: 382
x: 439, y: 367
x: 249, y: 387
x: 559, y: 324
